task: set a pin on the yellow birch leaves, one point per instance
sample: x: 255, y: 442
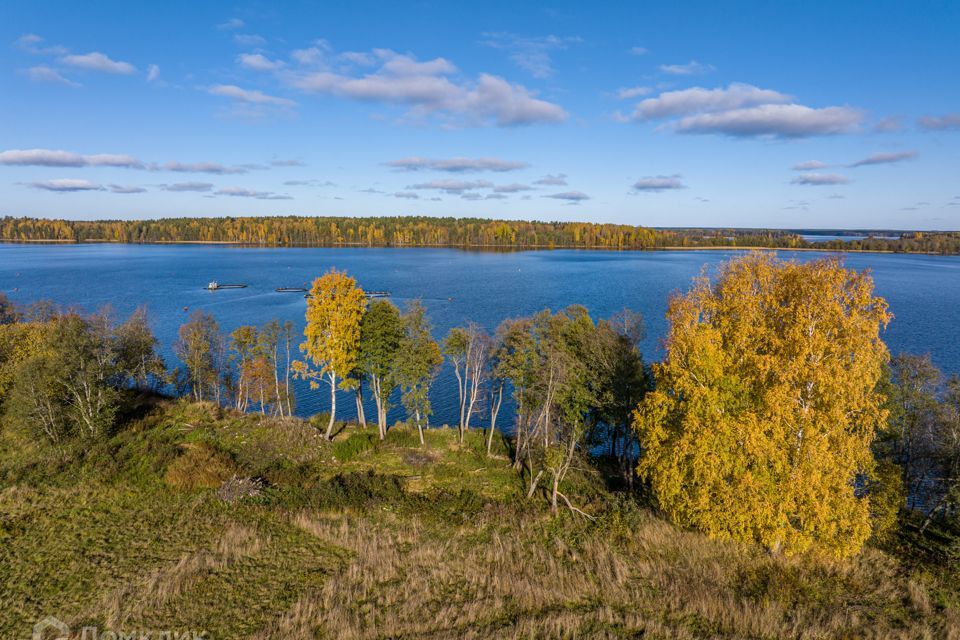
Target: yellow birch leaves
x: 767, y: 403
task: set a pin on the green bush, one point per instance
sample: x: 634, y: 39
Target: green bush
x: 354, y: 445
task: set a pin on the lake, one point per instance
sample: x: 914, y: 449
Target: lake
x: 455, y: 286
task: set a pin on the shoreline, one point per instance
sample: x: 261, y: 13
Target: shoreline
x: 488, y: 247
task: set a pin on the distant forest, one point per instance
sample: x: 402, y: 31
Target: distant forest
x: 421, y: 231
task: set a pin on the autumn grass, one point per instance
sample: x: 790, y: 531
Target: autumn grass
x: 389, y: 539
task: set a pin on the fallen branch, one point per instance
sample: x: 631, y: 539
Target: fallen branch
x: 575, y: 510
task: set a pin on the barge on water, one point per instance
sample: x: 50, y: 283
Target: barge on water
x: 291, y: 289
x: 214, y: 286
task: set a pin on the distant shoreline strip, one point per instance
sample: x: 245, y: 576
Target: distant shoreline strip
x: 362, y: 245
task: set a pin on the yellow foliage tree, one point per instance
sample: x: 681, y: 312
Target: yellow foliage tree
x: 334, y: 312
x: 767, y: 404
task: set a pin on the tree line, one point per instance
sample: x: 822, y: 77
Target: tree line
x: 406, y: 231
x: 776, y: 416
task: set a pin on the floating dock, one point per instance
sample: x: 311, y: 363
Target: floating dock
x: 215, y: 286
x: 369, y: 294
x: 291, y: 289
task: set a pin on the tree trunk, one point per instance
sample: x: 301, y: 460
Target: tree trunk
x: 494, y: 410
x: 333, y: 404
x: 276, y: 379
x: 375, y: 383
x: 462, y: 396
x: 419, y: 427
x: 361, y: 415
x: 474, y: 391
x: 286, y: 379
x: 553, y: 494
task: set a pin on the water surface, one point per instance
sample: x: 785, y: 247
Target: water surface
x: 455, y: 286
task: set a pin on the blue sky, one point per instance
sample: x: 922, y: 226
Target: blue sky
x: 769, y: 114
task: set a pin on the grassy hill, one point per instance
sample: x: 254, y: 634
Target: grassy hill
x: 196, y: 518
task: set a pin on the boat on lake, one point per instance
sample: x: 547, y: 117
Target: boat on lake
x: 214, y: 286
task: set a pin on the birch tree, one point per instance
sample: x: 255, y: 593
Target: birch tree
x: 417, y: 365
x: 199, y: 346
x: 335, y: 310
x: 468, y: 349
x: 381, y: 335
x: 767, y: 404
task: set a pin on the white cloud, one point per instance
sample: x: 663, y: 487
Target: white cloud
x: 885, y: 158
x: 66, y: 185
x: 56, y: 158
x: 820, y: 179
x: 249, y: 95
x: 153, y: 72
x: 692, y: 68
x: 258, y: 62
x: 249, y: 40
x: 96, y: 61
x: 59, y: 158
x: 888, y: 125
x: 572, y: 197
x: 456, y: 165
x: 946, y: 122
x: 513, y: 187
x: 288, y: 163
x: 118, y: 188
x: 558, y: 180
x: 33, y: 44
x: 809, y: 165
x: 530, y: 54
x: 625, y: 93
x: 309, y: 183
x: 199, y: 187
x: 240, y: 192
x: 313, y: 56
x: 743, y: 110
x: 699, y: 100
x: 198, y: 167
x: 426, y: 89
x: 774, y: 120
x: 361, y: 58
x: 231, y: 24
x: 407, y: 195
x: 656, y: 184
x: 45, y: 74
x: 453, y: 186
x: 639, y: 51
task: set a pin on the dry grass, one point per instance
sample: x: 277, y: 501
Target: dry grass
x: 435, y: 543
x: 166, y: 583
x: 199, y: 467
x: 408, y: 580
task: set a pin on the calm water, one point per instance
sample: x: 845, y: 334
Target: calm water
x: 455, y: 286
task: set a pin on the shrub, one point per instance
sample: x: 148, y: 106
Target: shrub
x: 354, y: 445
